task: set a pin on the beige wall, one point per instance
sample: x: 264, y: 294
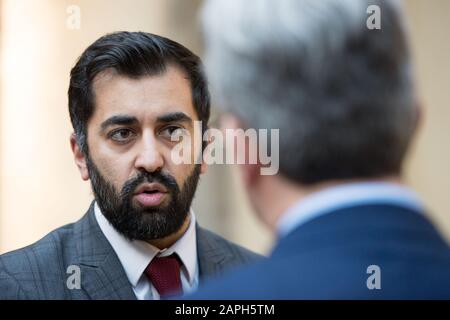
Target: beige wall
x: 428, y: 170
x: 39, y: 183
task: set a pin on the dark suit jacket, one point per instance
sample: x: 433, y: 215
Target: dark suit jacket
x: 39, y: 271
x: 328, y: 257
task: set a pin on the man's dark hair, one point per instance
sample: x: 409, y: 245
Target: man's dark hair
x: 131, y: 54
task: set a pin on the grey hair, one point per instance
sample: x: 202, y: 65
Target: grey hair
x: 342, y: 95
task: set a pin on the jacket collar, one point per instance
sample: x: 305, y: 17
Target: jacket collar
x: 102, y: 275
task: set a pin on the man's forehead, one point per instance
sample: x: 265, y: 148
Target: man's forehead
x: 144, y: 97
x: 109, y: 83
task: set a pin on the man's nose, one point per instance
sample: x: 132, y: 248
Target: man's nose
x: 149, y: 157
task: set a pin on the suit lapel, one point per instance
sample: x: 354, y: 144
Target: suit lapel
x: 102, y: 274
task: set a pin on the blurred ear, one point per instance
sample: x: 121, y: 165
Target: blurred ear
x: 204, y: 164
x: 80, y: 159
x: 250, y: 173
x: 419, y: 116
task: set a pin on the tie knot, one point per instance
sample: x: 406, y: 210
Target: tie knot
x: 164, y: 274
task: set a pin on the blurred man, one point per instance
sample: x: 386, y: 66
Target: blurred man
x: 341, y: 93
x: 129, y: 94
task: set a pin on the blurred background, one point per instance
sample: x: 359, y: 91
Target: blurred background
x: 40, y: 187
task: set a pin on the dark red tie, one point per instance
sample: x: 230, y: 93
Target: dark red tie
x: 164, y: 274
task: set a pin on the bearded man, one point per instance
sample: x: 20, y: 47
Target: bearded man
x: 130, y: 93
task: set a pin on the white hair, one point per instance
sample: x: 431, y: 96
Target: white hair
x: 297, y: 64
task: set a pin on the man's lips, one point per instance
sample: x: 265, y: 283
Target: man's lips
x: 150, y: 194
x: 150, y: 188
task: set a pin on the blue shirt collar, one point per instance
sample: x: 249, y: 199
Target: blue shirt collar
x: 344, y: 196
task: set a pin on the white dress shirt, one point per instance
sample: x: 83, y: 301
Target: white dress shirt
x: 345, y: 196
x: 136, y: 255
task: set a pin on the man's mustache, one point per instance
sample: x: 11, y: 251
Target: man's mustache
x: 150, y: 177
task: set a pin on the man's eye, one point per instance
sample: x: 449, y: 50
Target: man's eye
x: 174, y: 133
x: 122, y: 135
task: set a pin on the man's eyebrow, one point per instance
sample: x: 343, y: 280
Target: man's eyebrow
x: 118, y: 120
x: 174, y: 117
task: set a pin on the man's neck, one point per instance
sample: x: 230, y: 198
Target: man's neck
x: 285, y: 193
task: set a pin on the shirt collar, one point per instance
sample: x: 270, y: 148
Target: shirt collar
x: 136, y: 255
x: 344, y: 196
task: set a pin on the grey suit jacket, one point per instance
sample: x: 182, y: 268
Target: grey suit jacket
x: 43, y: 270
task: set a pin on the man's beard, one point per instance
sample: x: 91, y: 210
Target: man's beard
x: 144, y: 223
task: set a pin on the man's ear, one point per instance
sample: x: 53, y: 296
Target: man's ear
x: 80, y: 159
x: 204, y: 165
x: 250, y: 172
x: 419, y: 116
